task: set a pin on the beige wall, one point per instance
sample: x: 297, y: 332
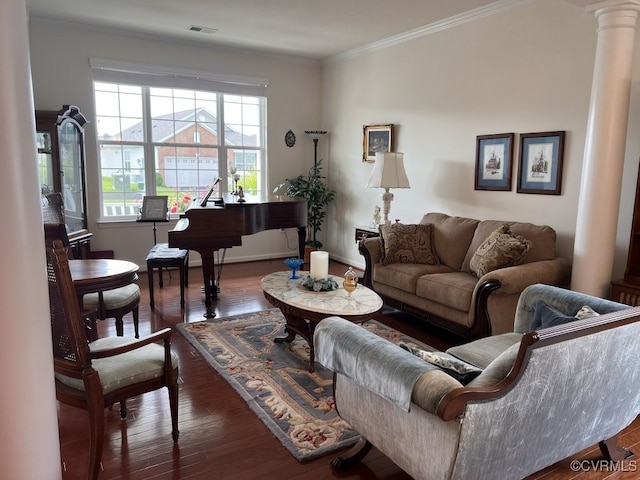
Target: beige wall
x: 528, y: 69
x: 60, y: 66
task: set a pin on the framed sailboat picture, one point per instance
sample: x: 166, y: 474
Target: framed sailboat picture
x: 493, y: 161
x: 540, y: 169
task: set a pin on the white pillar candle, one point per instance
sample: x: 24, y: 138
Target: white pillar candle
x: 319, y: 264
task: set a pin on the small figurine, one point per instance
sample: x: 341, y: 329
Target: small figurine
x: 241, y: 194
x: 375, y: 221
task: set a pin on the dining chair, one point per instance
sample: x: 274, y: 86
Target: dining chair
x: 106, y: 371
x: 115, y: 303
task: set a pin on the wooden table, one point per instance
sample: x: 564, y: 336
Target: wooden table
x: 304, y: 309
x: 98, y: 275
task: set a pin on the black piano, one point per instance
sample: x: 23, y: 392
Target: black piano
x: 221, y: 223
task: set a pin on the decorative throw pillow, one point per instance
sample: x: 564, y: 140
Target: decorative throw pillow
x: 544, y: 316
x: 586, y: 312
x: 404, y: 243
x: 501, y: 249
x: 462, y: 371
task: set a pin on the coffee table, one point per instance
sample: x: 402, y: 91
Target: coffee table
x: 304, y: 309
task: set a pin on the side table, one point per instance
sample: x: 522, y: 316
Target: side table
x: 624, y: 292
x: 363, y: 232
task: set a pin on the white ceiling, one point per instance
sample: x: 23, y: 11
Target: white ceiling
x: 305, y: 28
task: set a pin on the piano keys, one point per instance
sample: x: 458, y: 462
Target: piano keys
x: 207, y: 229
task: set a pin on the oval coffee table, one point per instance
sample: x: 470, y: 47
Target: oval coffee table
x: 304, y: 309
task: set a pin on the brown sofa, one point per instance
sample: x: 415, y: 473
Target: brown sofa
x: 448, y: 293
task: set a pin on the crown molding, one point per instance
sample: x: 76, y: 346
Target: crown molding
x: 451, y: 22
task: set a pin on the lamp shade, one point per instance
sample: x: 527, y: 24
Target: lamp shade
x: 388, y: 171
x: 315, y: 134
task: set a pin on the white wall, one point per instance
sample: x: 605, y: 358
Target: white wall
x: 60, y: 66
x: 525, y: 70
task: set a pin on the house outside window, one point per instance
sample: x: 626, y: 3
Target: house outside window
x: 174, y: 142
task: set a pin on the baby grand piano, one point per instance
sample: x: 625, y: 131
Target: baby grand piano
x: 221, y: 224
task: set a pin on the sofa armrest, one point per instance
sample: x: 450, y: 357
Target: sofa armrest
x: 371, y: 249
x: 514, y: 280
x: 431, y: 388
x: 371, y: 361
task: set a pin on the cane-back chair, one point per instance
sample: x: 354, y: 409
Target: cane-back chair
x: 115, y: 303
x: 107, y: 371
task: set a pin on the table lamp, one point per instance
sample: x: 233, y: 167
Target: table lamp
x: 388, y: 172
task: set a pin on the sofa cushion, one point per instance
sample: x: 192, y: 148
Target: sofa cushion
x: 461, y: 371
x: 497, y: 370
x: 405, y: 276
x: 485, y: 350
x: 453, y: 289
x: 501, y: 249
x: 407, y: 243
x: 542, y: 238
x: 451, y: 237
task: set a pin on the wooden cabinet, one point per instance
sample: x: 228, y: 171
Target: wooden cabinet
x: 627, y: 289
x: 61, y: 164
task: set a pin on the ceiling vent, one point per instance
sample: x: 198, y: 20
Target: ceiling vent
x: 208, y: 30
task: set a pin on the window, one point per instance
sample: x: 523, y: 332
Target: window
x: 158, y: 140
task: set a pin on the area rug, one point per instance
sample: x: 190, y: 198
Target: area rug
x: 273, y: 378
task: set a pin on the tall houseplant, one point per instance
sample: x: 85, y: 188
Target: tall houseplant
x: 318, y: 196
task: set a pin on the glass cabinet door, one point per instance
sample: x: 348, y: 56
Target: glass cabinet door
x: 70, y: 140
x: 45, y: 163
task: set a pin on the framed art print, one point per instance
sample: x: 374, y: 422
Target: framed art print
x: 541, y: 156
x: 493, y: 161
x: 376, y: 138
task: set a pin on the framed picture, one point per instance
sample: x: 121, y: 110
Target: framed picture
x: 541, y: 163
x: 376, y: 138
x: 494, y: 155
x: 154, y: 208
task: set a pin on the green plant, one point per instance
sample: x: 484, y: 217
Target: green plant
x: 318, y: 195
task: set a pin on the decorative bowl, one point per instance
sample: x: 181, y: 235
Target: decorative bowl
x: 294, y: 264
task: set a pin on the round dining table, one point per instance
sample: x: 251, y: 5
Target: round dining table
x: 100, y: 274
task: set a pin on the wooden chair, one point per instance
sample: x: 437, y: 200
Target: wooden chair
x: 114, y: 303
x: 109, y: 370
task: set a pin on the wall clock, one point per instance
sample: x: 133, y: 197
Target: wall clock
x: 290, y: 138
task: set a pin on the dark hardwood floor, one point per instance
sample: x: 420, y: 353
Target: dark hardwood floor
x: 220, y: 437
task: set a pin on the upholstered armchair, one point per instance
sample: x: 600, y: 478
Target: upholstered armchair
x: 540, y: 396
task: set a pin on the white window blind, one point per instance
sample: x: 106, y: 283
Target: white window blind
x: 107, y: 70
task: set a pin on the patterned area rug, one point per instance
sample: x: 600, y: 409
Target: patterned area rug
x: 273, y: 378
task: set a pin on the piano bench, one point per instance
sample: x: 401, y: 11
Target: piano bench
x: 161, y: 256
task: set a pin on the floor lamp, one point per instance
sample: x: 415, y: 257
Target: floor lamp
x: 315, y: 135
x: 388, y: 172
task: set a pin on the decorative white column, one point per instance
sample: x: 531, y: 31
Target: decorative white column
x: 602, y: 169
x: 29, y: 425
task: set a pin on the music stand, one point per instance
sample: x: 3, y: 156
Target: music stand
x: 154, y: 209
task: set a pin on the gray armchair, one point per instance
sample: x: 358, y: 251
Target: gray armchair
x: 542, y: 395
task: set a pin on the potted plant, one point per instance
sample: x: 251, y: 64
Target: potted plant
x: 318, y: 195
